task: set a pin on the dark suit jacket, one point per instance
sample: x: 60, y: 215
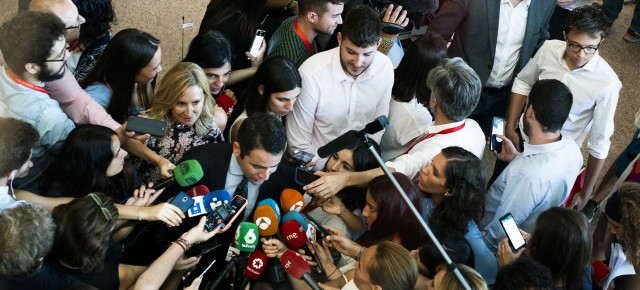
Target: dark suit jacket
x: 475, y: 23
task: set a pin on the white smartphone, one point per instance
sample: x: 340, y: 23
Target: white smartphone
x: 257, y: 42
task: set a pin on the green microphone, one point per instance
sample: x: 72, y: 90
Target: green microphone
x: 186, y: 174
x: 247, y: 237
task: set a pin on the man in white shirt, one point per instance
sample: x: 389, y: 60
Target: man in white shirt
x: 594, y: 85
x: 543, y: 174
x: 455, y: 90
x: 343, y: 88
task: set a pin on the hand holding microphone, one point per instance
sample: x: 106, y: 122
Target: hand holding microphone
x: 187, y: 173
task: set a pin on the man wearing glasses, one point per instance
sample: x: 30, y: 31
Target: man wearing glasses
x: 593, y: 83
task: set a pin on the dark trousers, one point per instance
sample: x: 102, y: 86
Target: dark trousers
x: 556, y: 23
x: 493, y: 103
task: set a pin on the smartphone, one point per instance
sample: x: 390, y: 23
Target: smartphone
x: 226, y: 214
x: 257, y: 42
x: 311, y: 221
x: 146, y: 126
x: 304, y: 177
x: 302, y: 157
x: 498, y: 128
x: 516, y: 240
x: 182, y: 201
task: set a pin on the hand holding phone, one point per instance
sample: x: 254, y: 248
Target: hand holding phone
x: 498, y: 128
x: 516, y: 240
x: 146, y: 126
x: 257, y: 42
x: 304, y: 177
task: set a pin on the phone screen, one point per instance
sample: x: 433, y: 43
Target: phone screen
x: 510, y: 227
x: 304, y: 177
x: 302, y: 157
x: 498, y: 127
x: 257, y: 42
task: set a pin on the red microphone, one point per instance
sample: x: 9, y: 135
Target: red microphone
x: 294, y: 234
x: 291, y: 200
x: 600, y: 271
x: 199, y: 190
x: 296, y: 266
x: 226, y: 103
x: 256, y: 263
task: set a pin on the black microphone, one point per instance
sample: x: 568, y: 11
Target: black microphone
x: 352, y: 137
x: 235, y: 261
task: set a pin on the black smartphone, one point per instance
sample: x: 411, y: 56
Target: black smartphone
x: 302, y: 157
x: 498, y: 128
x: 257, y: 42
x: 516, y: 240
x: 304, y: 177
x: 146, y: 126
x: 226, y: 214
x: 311, y: 221
x: 182, y: 201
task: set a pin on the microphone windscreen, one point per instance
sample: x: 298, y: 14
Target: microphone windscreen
x: 188, y: 172
x: 265, y: 218
x: 345, y: 140
x: 199, y: 190
x: 294, y: 215
x: 216, y: 198
x: 600, y: 271
x: 294, y: 264
x: 226, y: 103
x: 291, y: 200
x: 246, y: 237
x: 272, y: 203
x: 294, y: 234
x: 377, y: 125
x: 255, y: 264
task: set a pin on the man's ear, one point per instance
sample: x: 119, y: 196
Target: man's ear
x: 339, y: 37
x: 236, y: 149
x: 32, y: 68
x: 312, y: 17
x: 377, y: 287
x: 261, y: 89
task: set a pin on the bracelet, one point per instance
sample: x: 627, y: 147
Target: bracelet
x: 140, y: 214
x: 360, y: 254
x: 386, y: 43
x: 186, y: 243
x: 184, y: 249
x: 334, y: 271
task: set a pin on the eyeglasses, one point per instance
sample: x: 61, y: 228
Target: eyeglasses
x: 574, y: 47
x: 64, y: 55
x: 77, y: 24
x: 105, y: 211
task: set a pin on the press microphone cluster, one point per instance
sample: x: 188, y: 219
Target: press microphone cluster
x: 291, y: 200
x: 246, y: 240
x: 187, y: 173
x: 351, y: 138
x: 296, y: 266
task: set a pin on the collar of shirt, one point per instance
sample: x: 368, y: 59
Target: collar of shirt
x: 437, y: 128
x: 590, y: 65
x: 234, y: 167
x: 525, y: 2
x: 530, y: 150
x: 340, y: 75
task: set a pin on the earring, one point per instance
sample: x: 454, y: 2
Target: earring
x: 447, y: 193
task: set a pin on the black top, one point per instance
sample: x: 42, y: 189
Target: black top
x: 46, y: 278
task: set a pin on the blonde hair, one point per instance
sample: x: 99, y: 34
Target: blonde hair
x: 450, y: 281
x: 179, y: 78
x: 393, y: 267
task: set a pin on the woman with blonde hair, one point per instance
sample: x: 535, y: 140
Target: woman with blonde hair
x: 446, y: 279
x: 184, y: 101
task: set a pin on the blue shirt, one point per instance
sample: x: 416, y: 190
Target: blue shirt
x: 538, y: 179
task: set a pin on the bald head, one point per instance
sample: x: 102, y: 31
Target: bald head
x: 66, y: 10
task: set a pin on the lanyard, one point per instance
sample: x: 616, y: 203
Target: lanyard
x: 304, y: 38
x: 443, y: 132
x: 26, y: 84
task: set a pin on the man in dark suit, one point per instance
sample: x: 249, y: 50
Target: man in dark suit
x: 496, y: 38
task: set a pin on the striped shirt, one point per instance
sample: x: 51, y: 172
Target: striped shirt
x: 286, y: 42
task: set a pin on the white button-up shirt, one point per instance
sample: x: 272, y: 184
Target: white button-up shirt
x: 407, y: 121
x: 595, y: 88
x: 332, y: 102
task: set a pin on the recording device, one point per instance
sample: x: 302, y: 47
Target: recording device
x: 182, y: 201
x: 296, y: 266
x: 199, y: 190
x: 318, y: 226
x: 225, y: 214
x: 516, y: 241
x: 206, y: 204
x: 257, y: 42
x: 302, y: 157
x: 352, y: 137
x: 291, y: 200
x: 146, y: 126
x: 498, y: 128
x: 270, y: 202
x: 304, y: 177
x: 256, y: 263
x: 186, y: 174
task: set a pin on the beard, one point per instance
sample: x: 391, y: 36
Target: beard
x: 526, y: 127
x: 47, y: 75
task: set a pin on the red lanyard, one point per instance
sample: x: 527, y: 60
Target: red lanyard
x: 304, y: 38
x: 26, y: 84
x: 445, y: 131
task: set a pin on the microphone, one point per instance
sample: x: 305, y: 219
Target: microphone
x: 203, y: 204
x: 294, y: 215
x: 273, y: 205
x: 266, y: 219
x: 294, y: 234
x: 352, y: 137
x: 187, y: 173
x: 255, y: 266
x: 600, y: 271
x: 246, y: 237
x: 296, y: 266
x: 199, y: 190
x: 291, y: 200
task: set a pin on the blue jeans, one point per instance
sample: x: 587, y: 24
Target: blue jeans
x: 612, y: 8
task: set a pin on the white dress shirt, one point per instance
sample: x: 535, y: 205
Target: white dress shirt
x: 595, y: 88
x: 538, y: 179
x: 332, y: 102
x: 470, y: 137
x: 407, y: 121
x: 512, y: 26
x: 234, y: 176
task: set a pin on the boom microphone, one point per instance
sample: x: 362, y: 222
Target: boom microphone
x: 291, y: 200
x: 352, y: 137
x: 187, y: 173
x: 296, y: 266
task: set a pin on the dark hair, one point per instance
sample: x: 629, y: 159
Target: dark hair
x: 524, y: 273
x: 454, y: 244
x: 29, y: 37
x: 586, y: 19
x: 17, y: 139
x: 410, y: 77
x: 80, y: 166
x: 127, y: 53
x: 83, y: 232
x: 209, y: 50
x: 317, y: 6
x: 277, y: 74
x: 466, y: 179
x: 561, y: 241
x: 394, y: 215
x: 98, y: 14
x: 551, y: 101
x: 361, y: 26
x: 355, y: 197
x: 628, y: 205
x: 456, y: 87
x: 246, y: 12
x: 261, y: 131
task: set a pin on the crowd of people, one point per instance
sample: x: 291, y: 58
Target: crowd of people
x: 79, y: 209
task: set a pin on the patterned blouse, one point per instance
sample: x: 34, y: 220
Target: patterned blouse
x: 178, y: 139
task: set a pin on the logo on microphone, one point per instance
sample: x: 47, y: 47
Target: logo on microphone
x: 250, y: 237
x: 263, y: 223
x: 297, y: 206
x: 257, y: 263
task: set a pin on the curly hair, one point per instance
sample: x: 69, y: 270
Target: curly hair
x: 83, y: 232
x: 98, y: 14
x: 466, y: 177
x: 630, y: 208
x: 26, y: 235
x: 29, y: 37
x: 17, y: 139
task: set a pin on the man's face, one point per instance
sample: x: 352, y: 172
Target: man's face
x: 329, y: 20
x: 577, y: 43
x: 355, y: 60
x: 257, y: 165
x: 68, y: 12
x: 53, y: 68
x: 24, y: 169
x: 526, y: 125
